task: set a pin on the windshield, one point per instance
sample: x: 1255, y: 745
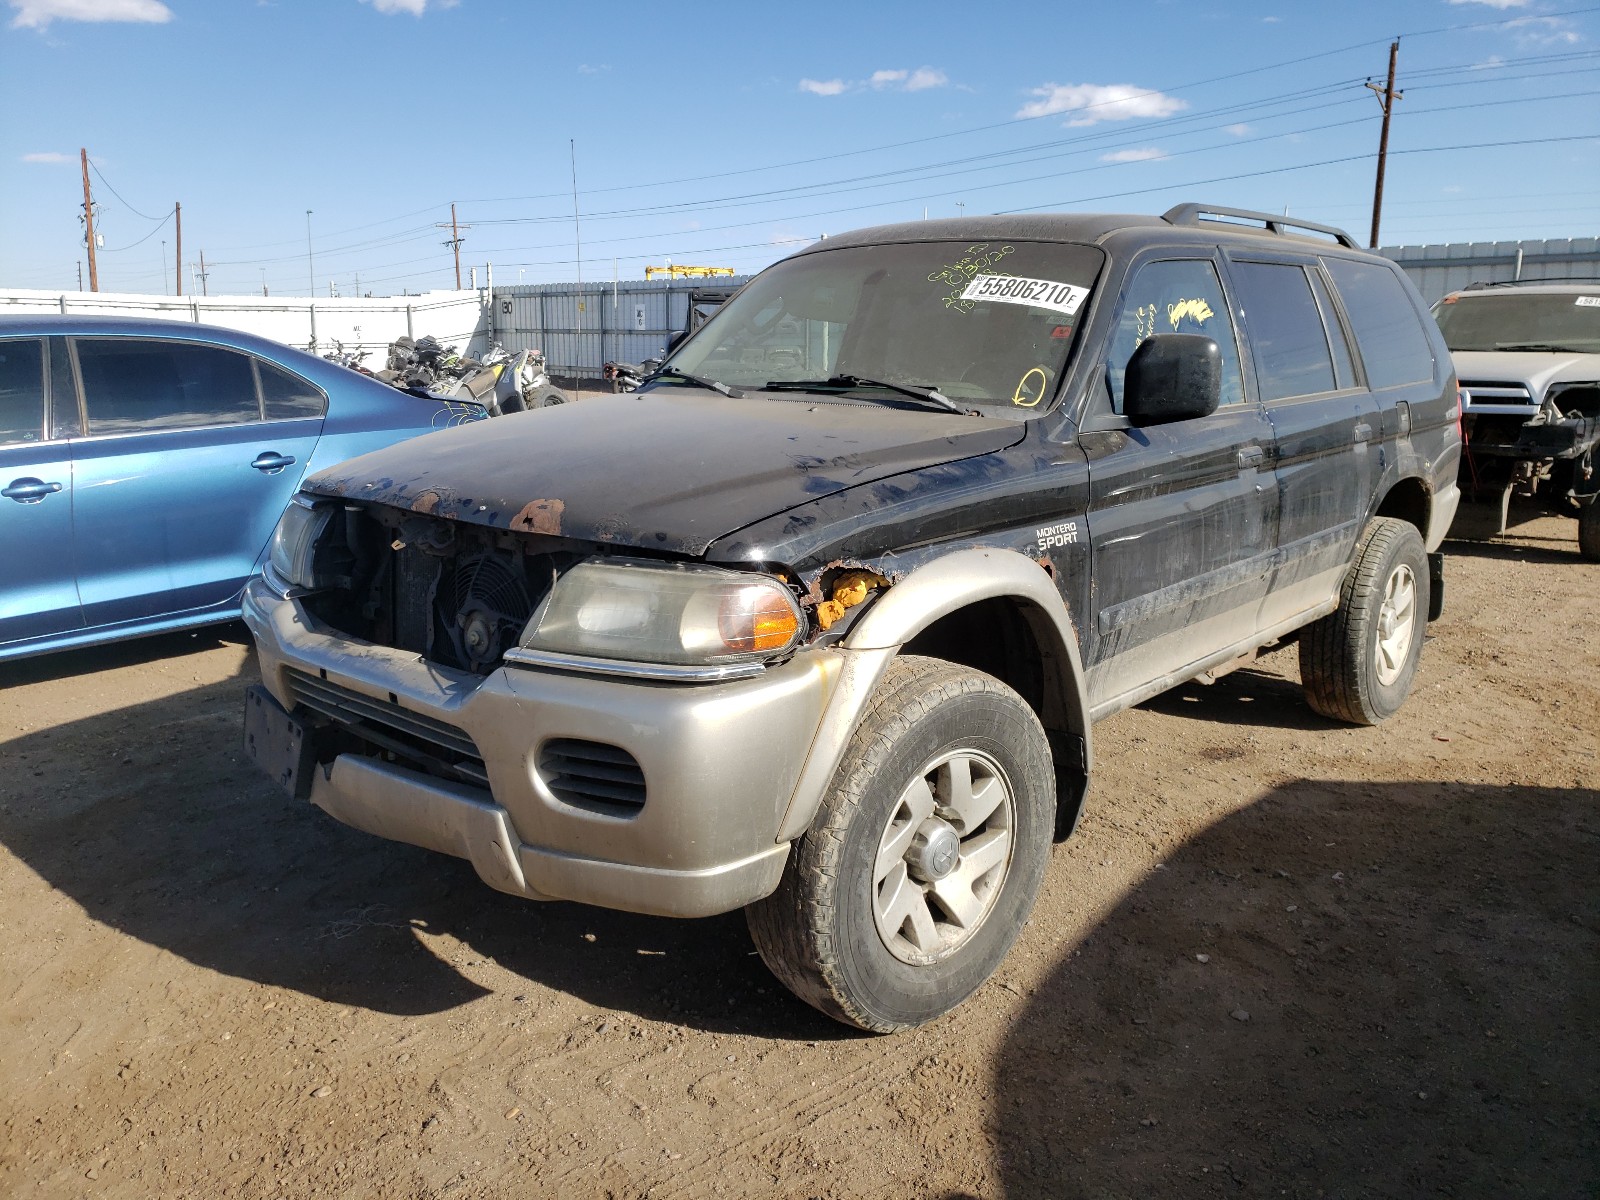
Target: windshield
x: 1512, y: 320
x: 986, y: 324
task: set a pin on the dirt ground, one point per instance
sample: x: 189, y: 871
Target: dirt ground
x: 1281, y: 958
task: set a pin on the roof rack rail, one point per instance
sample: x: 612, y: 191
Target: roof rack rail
x: 1478, y: 285
x: 1190, y: 214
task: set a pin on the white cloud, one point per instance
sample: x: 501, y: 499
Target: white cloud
x: 1147, y: 154
x: 1502, y: 4
x: 48, y: 156
x: 1491, y: 63
x: 1271, y: 20
x: 919, y: 80
x: 1542, y: 31
x: 591, y: 69
x: 415, y: 7
x: 37, y: 14
x: 823, y: 87
x: 1092, y: 102
x: 1239, y: 130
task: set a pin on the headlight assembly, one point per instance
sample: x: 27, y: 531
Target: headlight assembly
x: 294, y: 542
x: 690, y: 621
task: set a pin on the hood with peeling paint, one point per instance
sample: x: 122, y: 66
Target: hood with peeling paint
x: 669, y: 469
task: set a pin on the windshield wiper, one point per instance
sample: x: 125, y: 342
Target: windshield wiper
x: 1545, y: 346
x: 712, y: 384
x: 927, y: 395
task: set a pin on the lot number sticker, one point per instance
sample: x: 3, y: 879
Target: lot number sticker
x: 1036, y: 293
x: 1588, y: 301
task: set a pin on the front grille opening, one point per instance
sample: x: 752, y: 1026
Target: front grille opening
x: 397, y: 734
x: 593, y: 776
x: 453, y: 593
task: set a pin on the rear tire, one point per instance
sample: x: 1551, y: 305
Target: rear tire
x: 1589, y: 531
x: 1357, y: 663
x: 924, y: 859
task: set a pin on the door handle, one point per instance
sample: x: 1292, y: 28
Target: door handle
x: 1363, y: 432
x: 269, y: 462
x: 29, y: 491
x: 1251, y: 456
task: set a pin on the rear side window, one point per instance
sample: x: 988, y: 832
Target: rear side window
x: 132, y: 386
x: 21, y: 391
x: 1389, y: 332
x: 286, y: 397
x: 1285, y: 329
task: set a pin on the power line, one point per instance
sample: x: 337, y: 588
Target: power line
x: 95, y: 168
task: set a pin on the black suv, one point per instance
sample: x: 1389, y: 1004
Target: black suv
x: 818, y: 621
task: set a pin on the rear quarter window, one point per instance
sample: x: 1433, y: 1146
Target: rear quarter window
x: 286, y: 397
x: 1390, y: 336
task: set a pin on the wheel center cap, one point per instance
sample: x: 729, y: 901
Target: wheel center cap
x: 934, y: 851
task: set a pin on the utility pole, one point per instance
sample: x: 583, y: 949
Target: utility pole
x: 577, y: 231
x: 455, y: 239
x: 80, y: 274
x: 177, y: 262
x: 263, y: 281
x: 311, y: 268
x: 1386, y: 97
x: 163, y: 266
x: 88, y: 221
x: 204, y: 290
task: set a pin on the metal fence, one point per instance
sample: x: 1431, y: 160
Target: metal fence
x: 1445, y: 268
x: 370, y: 323
x: 580, y: 329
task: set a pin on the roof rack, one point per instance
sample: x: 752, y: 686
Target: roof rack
x: 1478, y: 285
x: 1190, y: 214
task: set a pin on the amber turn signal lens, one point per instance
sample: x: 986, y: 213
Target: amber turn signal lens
x: 756, y: 618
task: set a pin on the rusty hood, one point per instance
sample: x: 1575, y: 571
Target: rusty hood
x: 669, y: 469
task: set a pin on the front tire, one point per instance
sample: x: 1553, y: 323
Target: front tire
x: 924, y: 859
x: 1358, y: 662
x: 1589, y: 531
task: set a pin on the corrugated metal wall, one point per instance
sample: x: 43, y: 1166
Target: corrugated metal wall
x: 1439, y: 270
x: 581, y: 330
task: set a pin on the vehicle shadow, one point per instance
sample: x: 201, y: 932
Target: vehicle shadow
x: 64, y: 664
x: 1508, y: 547
x: 1347, y: 989
x: 151, y: 818
x: 1242, y: 697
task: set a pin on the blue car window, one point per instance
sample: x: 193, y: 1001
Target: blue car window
x: 286, y: 397
x: 21, y: 391
x: 132, y: 386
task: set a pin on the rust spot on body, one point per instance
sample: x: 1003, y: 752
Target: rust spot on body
x: 425, y: 502
x: 540, y: 516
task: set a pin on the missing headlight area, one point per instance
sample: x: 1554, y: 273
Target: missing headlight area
x: 457, y: 595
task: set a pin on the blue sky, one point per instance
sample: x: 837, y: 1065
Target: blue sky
x: 727, y: 134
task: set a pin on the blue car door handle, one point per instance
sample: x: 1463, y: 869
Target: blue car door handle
x: 29, y: 490
x: 270, y: 462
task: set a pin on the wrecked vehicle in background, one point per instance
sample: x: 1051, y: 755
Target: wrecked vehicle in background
x: 1528, y: 355
x: 817, y: 622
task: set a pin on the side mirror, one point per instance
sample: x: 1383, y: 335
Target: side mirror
x: 1172, y: 377
x: 676, y: 340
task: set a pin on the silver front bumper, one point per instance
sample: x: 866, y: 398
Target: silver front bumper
x: 720, y: 762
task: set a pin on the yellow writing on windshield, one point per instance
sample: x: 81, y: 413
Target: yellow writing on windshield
x: 1030, y: 388
x: 955, y: 276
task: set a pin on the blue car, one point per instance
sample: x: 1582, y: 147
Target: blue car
x: 144, y: 464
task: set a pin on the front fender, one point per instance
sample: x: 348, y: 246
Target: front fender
x: 904, y: 610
